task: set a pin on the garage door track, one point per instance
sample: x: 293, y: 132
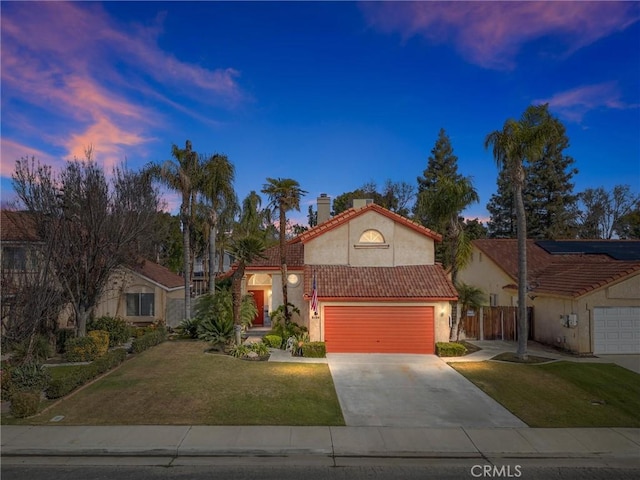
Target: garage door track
x: 392, y: 390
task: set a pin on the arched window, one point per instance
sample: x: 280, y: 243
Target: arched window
x: 371, y: 236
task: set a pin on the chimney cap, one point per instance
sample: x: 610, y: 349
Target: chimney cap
x: 322, y: 195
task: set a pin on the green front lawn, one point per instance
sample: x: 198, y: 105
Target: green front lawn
x: 176, y: 383
x: 561, y: 394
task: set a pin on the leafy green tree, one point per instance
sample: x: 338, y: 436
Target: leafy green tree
x: 606, y: 214
x: 168, y: 242
x: 474, y: 229
x: 629, y: 225
x: 501, y: 208
x: 217, y: 187
x: 182, y: 174
x: 519, y: 141
x: 395, y: 196
x: 284, y: 195
x: 441, y: 163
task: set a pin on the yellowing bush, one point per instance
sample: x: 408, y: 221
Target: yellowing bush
x: 101, y: 339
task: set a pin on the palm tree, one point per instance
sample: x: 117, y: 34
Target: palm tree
x: 182, y: 175
x: 245, y: 250
x: 444, y: 203
x: 471, y: 298
x: 217, y: 187
x: 284, y: 195
x: 519, y: 141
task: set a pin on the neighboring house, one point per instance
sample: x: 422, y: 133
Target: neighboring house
x: 585, y: 293
x: 140, y: 294
x: 379, y: 289
x: 144, y: 294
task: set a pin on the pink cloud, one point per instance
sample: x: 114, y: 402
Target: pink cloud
x: 64, y: 68
x: 490, y: 34
x: 575, y: 103
x: 11, y: 151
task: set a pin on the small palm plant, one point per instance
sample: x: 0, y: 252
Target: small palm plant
x: 471, y: 298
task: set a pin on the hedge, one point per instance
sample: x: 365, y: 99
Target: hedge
x: 452, y: 349
x: 148, y: 340
x: 25, y: 404
x: 119, y: 331
x: 273, y: 341
x: 101, y: 338
x: 314, y: 350
x: 81, y: 349
x: 61, y: 386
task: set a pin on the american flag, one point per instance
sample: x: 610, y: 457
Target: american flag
x: 314, y: 296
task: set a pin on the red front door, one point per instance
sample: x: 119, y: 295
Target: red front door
x: 258, y: 296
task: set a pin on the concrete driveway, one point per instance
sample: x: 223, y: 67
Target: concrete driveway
x: 411, y: 391
x: 630, y: 361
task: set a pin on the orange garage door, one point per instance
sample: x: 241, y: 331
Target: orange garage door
x: 379, y: 329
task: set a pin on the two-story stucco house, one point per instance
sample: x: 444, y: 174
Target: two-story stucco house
x: 585, y: 293
x: 378, y: 287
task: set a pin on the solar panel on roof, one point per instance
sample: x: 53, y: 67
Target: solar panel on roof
x: 628, y: 250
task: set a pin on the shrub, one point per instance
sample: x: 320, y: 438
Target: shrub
x: 41, y: 349
x: 239, y: 351
x: 25, y: 404
x: 101, y: 339
x: 273, y: 341
x: 217, y: 330
x: 148, y: 340
x: 314, y: 350
x: 281, y: 327
x: 80, y: 349
x: 450, y: 349
x: 117, y: 328
x: 6, y: 383
x: 189, y: 327
x: 29, y: 377
x: 260, y: 348
x: 62, y: 336
x: 65, y: 384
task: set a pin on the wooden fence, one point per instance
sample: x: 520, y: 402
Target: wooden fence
x: 498, y: 323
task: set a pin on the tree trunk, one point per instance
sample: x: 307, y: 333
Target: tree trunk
x: 454, y: 321
x: 283, y: 264
x: 82, y: 318
x: 187, y: 269
x: 212, y: 259
x: 236, y: 296
x: 522, y: 272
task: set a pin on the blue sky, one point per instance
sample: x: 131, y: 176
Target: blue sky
x: 332, y: 94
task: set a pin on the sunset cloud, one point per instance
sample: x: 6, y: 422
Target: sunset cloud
x: 575, y: 103
x: 60, y: 62
x: 491, y: 34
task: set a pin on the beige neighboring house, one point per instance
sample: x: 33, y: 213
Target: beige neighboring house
x: 585, y: 293
x: 144, y: 294
x: 141, y: 294
x: 379, y: 289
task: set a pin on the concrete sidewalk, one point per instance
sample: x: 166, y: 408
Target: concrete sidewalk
x: 388, y: 442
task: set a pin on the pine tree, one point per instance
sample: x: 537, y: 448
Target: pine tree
x: 552, y: 211
x: 441, y: 163
x: 502, y: 222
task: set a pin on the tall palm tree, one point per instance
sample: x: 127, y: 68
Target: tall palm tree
x: 471, y: 298
x: 183, y: 175
x: 217, y: 188
x: 284, y: 195
x: 519, y: 141
x: 444, y: 203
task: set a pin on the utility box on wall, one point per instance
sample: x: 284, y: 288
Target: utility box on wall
x: 573, y: 320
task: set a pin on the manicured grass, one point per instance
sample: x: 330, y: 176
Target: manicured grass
x: 176, y: 383
x: 561, y: 394
x: 513, y: 357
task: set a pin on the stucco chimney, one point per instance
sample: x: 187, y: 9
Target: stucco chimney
x: 361, y: 202
x: 324, y: 208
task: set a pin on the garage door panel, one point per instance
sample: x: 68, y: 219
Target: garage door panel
x: 616, y: 330
x: 379, y: 329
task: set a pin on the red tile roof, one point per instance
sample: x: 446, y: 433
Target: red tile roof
x: 411, y: 282
x: 17, y: 227
x: 565, y: 275
x: 347, y: 215
x: 294, y: 255
x: 159, y: 274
